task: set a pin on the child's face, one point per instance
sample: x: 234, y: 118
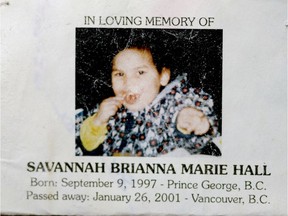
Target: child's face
x: 136, y: 79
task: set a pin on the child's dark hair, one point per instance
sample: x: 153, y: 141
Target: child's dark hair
x: 145, y: 40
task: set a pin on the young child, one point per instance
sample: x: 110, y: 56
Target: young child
x: 140, y: 121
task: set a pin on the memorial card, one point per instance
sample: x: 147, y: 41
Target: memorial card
x: 144, y: 107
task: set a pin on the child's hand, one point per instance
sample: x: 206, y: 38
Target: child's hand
x: 191, y: 120
x: 107, y: 108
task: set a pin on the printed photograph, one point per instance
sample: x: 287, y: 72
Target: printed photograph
x: 148, y: 92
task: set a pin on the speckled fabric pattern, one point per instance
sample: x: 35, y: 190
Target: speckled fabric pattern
x: 152, y: 131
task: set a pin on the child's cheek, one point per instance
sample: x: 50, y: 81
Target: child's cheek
x: 117, y: 87
x: 119, y: 92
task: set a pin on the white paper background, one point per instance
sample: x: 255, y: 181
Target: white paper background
x: 38, y: 95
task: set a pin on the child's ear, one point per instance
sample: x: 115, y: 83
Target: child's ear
x: 165, y: 76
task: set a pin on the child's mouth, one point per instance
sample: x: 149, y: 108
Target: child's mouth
x: 131, y: 98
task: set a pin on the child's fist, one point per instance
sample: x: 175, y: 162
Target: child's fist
x: 107, y: 108
x: 191, y: 120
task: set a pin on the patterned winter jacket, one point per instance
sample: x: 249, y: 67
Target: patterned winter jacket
x: 152, y: 131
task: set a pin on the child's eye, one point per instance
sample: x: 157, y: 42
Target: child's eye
x: 141, y: 72
x: 119, y: 74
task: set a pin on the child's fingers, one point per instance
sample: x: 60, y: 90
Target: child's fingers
x: 118, y: 101
x: 203, y: 127
x: 108, y: 108
x: 191, y: 120
x: 113, y: 101
x: 189, y: 112
x: 195, y: 112
x: 186, y: 126
x: 120, y: 98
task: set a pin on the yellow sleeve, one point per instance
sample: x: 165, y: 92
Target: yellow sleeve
x: 91, y: 135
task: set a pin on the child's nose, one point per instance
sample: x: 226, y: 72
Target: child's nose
x: 131, y: 83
